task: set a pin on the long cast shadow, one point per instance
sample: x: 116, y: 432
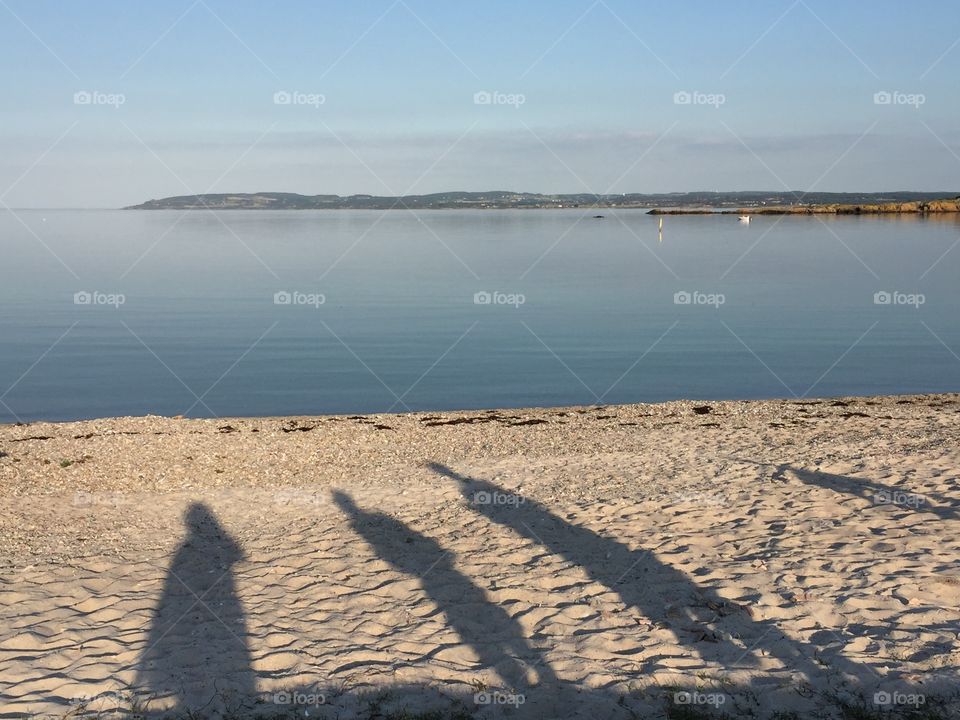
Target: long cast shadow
x: 497, y: 639
x: 196, y: 654
x: 875, y: 492
x: 644, y: 582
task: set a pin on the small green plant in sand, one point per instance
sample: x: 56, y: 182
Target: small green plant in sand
x: 478, y: 685
x: 858, y: 707
x: 693, y: 712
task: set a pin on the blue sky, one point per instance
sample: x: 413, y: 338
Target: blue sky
x: 586, y: 96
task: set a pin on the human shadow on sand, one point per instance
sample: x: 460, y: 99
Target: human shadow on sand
x: 877, y: 493
x: 664, y: 595
x: 197, y: 654
x: 496, y: 638
x: 197, y: 660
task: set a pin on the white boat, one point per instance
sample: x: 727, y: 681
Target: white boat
x: 744, y: 218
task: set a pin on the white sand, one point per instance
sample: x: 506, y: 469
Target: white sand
x: 745, y: 553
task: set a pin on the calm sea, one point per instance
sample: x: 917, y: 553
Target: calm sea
x: 278, y: 313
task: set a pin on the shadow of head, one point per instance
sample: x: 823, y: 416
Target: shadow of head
x: 393, y: 539
x: 205, y: 532
x: 468, y: 485
x: 345, y: 502
x: 199, y: 518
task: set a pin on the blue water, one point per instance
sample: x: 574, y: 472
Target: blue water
x: 399, y: 328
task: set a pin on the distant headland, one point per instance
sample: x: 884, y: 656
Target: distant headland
x: 756, y: 202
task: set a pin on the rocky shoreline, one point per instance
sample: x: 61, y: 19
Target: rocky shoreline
x: 916, y: 207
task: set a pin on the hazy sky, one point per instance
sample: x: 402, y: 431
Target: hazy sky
x: 109, y: 103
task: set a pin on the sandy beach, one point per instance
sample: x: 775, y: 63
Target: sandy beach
x: 671, y: 560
